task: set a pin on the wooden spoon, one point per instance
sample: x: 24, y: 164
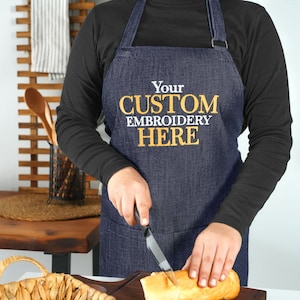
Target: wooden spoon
x: 40, y: 107
x: 53, y: 135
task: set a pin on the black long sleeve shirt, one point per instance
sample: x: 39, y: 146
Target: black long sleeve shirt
x: 257, y: 52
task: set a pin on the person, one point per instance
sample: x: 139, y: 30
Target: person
x: 178, y: 81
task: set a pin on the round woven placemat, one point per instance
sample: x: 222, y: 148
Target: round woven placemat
x: 34, y: 207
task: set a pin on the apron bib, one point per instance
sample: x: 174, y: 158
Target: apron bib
x: 176, y: 114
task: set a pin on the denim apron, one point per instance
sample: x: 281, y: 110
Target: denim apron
x: 176, y: 114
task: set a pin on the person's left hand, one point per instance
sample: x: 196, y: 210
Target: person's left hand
x: 214, y: 254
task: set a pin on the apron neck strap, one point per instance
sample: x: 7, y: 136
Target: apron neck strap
x: 216, y: 23
x: 215, y: 20
x: 133, y: 24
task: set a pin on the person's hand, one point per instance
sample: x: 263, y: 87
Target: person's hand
x: 127, y: 188
x: 214, y: 254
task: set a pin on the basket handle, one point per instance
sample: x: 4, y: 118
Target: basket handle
x: 13, y: 259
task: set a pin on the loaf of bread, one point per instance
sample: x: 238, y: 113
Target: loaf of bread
x: 158, y: 287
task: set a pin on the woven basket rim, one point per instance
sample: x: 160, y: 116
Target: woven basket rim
x: 50, y: 286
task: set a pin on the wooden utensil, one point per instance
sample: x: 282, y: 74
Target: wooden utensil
x: 53, y: 134
x: 40, y: 107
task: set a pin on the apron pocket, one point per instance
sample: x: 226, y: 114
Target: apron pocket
x: 123, y: 250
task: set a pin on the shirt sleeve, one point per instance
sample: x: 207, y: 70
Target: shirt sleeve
x: 267, y: 116
x: 81, y: 106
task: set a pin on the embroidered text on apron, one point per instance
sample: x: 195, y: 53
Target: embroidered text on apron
x: 176, y: 114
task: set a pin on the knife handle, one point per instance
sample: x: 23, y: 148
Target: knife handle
x: 137, y: 217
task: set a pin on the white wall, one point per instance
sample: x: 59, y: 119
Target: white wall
x: 275, y: 241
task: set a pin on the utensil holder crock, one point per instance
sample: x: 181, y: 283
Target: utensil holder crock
x: 66, y: 180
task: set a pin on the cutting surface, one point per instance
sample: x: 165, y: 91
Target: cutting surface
x: 130, y: 288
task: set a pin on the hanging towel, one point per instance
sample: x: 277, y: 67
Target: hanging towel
x: 50, y: 37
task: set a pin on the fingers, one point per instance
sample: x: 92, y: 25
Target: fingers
x: 215, y: 265
x: 127, y: 188
x: 214, y: 254
x: 143, y: 210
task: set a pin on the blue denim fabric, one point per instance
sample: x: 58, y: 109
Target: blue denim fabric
x: 176, y: 114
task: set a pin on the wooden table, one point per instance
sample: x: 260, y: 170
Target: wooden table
x: 58, y: 238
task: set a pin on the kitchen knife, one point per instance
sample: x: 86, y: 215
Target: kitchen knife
x: 154, y: 248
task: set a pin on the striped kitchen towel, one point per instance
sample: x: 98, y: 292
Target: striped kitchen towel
x: 50, y: 37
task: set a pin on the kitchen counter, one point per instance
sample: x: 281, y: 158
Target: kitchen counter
x: 277, y: 294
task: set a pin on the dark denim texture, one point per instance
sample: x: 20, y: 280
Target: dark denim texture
x: 189, y: 176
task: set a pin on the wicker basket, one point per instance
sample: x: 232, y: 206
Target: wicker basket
x: 51, y: 286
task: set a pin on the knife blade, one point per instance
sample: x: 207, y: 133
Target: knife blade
x: 156, y: 251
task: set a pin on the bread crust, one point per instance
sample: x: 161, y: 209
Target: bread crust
x: 157, y: 287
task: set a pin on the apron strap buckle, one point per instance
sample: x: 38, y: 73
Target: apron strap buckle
x: 219, y: 43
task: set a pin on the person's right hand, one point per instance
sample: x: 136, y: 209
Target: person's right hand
x: 127, y: 188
